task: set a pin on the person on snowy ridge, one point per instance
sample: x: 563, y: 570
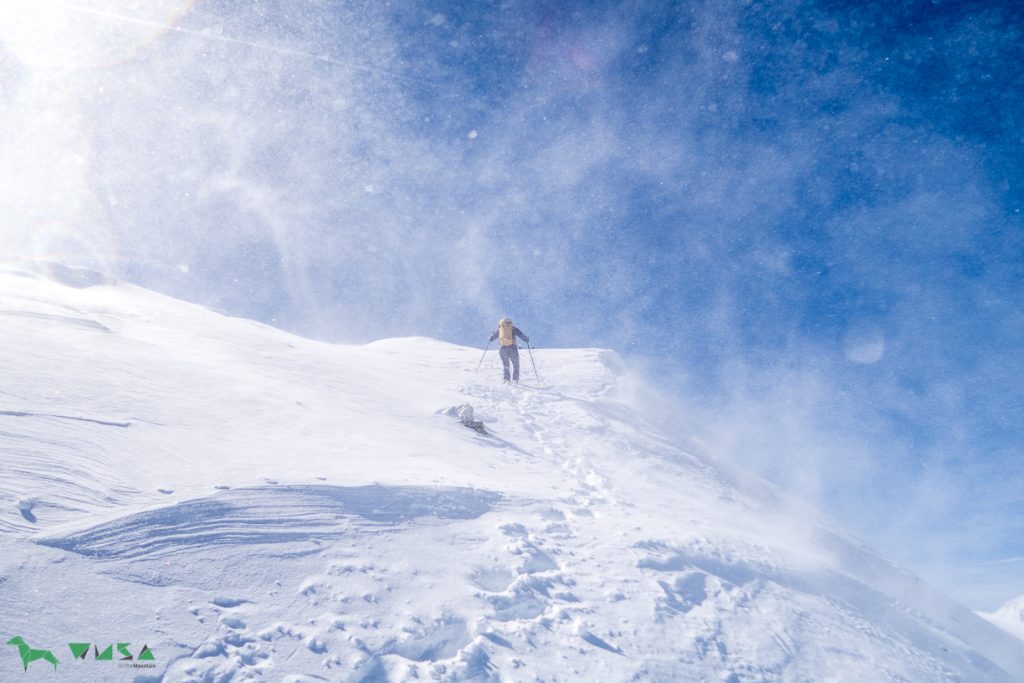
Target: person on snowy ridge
x: 506, y: 334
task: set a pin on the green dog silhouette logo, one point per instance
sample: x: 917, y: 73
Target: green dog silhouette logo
x: 30, y: 655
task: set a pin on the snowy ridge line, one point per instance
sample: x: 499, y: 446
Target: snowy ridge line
x: 270, y: 514
x: 578, y: 543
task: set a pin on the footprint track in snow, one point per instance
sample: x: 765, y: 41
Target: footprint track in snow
x: 534, y: 413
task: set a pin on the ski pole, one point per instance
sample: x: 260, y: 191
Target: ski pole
x: 482, y: 356
x: 531, y: 361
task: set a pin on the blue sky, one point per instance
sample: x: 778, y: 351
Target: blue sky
x: 801, y: 220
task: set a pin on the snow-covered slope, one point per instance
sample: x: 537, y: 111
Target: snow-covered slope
x: 256, y: 506
x: 1010, y: 617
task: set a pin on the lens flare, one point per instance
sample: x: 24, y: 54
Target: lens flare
x: 47, y: 34
x: 52, y: 210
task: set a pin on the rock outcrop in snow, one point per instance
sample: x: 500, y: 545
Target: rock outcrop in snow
x: 464, y: 414
x: 256, y: 506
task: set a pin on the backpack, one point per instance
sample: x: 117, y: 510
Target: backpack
x: 506, y: 332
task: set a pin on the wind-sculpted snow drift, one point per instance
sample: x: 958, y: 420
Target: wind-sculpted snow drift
x: 260, y: 515
x: 256, y: 506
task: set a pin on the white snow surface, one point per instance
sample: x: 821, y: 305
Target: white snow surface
x: 257, y: 506
x: 1009, y: 617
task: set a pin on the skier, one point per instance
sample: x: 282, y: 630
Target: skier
x: 507, y: 333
